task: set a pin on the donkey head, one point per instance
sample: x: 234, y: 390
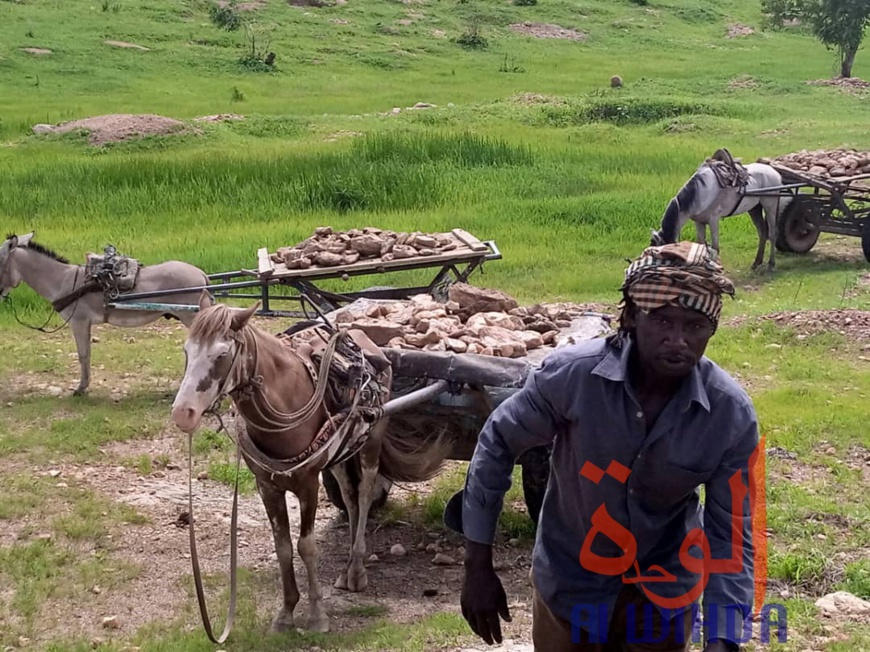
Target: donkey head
x: 213, y: 353
x: 9, y: 275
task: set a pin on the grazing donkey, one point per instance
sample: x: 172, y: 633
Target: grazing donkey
x: 718, y: 189
x: 81, y: 302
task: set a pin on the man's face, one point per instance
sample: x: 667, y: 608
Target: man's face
x: 671, y: 340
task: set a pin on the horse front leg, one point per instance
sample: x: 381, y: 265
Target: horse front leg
x: 307, y: 494
x: 82, y: 333
x: 276, y: 509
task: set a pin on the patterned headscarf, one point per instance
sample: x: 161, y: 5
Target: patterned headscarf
x: 685, y: 274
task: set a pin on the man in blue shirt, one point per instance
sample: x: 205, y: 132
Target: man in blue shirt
x: 638, y: 421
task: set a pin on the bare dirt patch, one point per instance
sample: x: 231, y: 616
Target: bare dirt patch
x: 37, y: 51
x: 739, y: 29
x: 115, y: 128
x: 743, y: 82
x: 852, y: 323
x: 125, y: 44
x: 547, y: 30
x: 408, y: 587
x: 846, y: 83
x: 220, y: 117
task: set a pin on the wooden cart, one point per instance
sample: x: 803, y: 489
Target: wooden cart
x: 837, y: 205
x: 272, y: 282
x: 459, y: 391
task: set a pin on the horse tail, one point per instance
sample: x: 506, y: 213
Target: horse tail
x: 410, y: 454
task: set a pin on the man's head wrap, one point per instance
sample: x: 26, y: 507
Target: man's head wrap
x: 683, y: 274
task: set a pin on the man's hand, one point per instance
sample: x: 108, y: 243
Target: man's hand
x: 483, y: 598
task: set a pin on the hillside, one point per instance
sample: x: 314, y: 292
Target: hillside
x: 493, y: 116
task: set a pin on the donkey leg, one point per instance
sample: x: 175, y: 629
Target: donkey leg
x: 762, y: 229
x: 317, y: 618
x: 82, y: 333
x: 357, y: 578
x: 771, y: 211
x: 349, y: 495
x: 276, y: 508
x: 700, y: 232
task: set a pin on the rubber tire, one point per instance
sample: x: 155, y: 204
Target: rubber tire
x: 793, y: 218
x: 333, y: 492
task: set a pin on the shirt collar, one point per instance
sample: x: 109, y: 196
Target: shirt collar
x: 614, y: 367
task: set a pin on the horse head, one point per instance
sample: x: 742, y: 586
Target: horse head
x: 214, y: 354
x: 9, y: 277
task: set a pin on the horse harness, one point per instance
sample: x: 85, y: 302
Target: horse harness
x: 348, y: 383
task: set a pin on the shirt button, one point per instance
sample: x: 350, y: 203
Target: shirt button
x: 639, y: 415
x: 631, y: 491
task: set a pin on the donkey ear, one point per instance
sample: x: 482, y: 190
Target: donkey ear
x: 204, y: 300
x: 242, y: 317
x: 24, y: 240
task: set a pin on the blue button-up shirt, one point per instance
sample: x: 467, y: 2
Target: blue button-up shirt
x: 581, y: 401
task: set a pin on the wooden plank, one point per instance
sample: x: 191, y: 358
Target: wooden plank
x: 456, y: 256
x: 469, y: 240
x: 265, y: 268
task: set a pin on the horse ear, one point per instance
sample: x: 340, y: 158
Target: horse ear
x: 204, y: 300
x: 241, y: 317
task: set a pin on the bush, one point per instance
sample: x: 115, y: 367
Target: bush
x: 225, y: 17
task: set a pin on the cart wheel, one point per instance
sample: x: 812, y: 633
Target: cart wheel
x: 536, y: 472
x: 865, y: 239
x: 333, y: 492
x: 797, y: 229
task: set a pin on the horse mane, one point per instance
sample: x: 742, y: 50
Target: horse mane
x: 684, y: 199
x: 212, y: 324
x: 38, y: 248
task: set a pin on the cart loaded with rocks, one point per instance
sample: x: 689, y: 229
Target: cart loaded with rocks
x: 455, y: 361
x: 827, y: 191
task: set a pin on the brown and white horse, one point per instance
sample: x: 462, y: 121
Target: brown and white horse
x: 53, y: 277
x: 272, y: 384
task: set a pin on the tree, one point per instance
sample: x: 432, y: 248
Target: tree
x: 839, y: 24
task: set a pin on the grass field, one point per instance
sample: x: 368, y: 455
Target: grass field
x: 527, y: 145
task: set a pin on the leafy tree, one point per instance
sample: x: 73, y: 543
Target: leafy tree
x: 839, y: 24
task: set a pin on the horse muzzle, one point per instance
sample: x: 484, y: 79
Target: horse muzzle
x: 186, y: 418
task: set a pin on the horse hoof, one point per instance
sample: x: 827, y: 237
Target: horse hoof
x: 358, y: 582
x: 319, y: 625
x: 80, y: 391
x: 341, y: 582
x: 283, y: 622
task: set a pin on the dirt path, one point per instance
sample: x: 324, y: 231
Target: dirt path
x: 404, y: 588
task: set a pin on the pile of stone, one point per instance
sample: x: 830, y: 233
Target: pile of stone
x: 473, y: 320
x: 328, y: 248
x: 826, y: 164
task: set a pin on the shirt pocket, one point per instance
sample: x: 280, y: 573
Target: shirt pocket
x: 664, y: 486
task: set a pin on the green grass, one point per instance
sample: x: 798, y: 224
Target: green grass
x: 567, y: 175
